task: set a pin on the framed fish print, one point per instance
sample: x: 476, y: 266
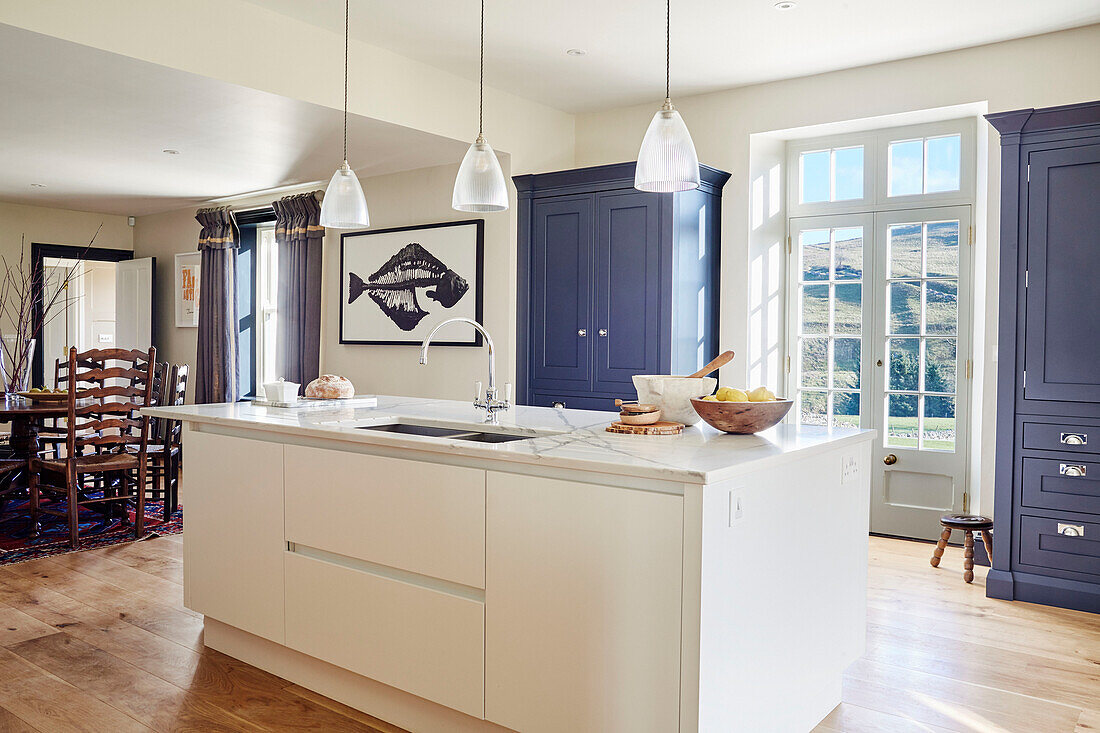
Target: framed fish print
x: 396, y: 285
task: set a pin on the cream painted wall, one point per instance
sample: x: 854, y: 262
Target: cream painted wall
x: 1057, y: 68
x: 59, y: 226
x: 413, y: 197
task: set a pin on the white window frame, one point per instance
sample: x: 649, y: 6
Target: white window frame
x: 876, y: 145
x: 267, y: 302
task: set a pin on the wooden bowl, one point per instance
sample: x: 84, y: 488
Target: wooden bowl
x: 639, y: 418
x: 742, y: 418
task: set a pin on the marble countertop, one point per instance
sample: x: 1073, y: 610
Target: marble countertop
x: 568, y: 439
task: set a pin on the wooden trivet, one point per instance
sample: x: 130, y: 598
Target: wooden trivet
x: 657, y: 428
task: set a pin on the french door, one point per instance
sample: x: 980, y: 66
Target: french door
x: 879, y: 337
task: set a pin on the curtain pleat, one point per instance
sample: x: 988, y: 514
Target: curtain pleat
x: 217, y: 367
x: 299, y: 237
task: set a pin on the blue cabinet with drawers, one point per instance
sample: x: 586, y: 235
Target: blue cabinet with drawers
x: 613, y: 282
x: 1047, y: 505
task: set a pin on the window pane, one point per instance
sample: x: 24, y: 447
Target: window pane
x: 815, y: 176
x: 901, y: 420
x: 904, y: 299
x: 848, y: 253
x: 845, y: 410
x: 848, y: 308
x: 906, y: 168
x: 942, y: 249
x: 811, y: 408
x: 846, y: 363
x: 904, y: 364
x: 814, y: 246
x: 943, y: 164
x: 904, y: 241
x: 941, y: 299
x: 848, y: 164
x: 815, y: 309
x: 939, y: 365
x: 815, y: 362
x: 939, y: 423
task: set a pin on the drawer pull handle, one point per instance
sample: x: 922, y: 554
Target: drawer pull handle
x: 1075, y: 439
x: 1072, y: 469
x: 1071, y: 530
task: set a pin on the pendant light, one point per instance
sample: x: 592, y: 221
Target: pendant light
x: 344, y: 205
x: 667, y: 160
x: 479, y: 186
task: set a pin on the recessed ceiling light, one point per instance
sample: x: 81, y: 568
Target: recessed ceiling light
x: 170, y: 151
x: 38, y: 185
x: 786, y: 5
x: 576, y: 52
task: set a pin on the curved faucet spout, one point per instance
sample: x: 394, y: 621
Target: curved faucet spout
x: 491, y: 393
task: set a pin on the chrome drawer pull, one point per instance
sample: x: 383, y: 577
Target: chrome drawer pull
x: 1071, y: 530
x: 1071, y: 469
x: 1075, y: 439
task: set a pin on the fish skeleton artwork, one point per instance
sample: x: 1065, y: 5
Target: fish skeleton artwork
x: 393, y: 286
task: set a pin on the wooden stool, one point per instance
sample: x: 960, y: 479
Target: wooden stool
x: 968, y: 523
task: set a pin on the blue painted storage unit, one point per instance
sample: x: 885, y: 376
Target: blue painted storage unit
x: 1046, y: 546
x: 613, y: 282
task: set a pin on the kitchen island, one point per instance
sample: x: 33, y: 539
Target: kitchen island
x: 537, y: 575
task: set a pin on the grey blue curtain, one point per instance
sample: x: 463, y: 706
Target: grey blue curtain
x: 299, y: 237
x: 217, y: 367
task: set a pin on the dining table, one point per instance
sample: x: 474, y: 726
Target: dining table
x: 25, y: 416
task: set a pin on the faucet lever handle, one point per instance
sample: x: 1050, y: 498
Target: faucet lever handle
x: 508, y: 393
x: 477, y: 390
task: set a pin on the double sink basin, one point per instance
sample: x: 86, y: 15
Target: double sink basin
x: 447, y: 432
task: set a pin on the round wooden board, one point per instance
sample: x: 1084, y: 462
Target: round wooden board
x: 657, y: 428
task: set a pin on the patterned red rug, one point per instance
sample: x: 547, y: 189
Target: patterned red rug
x: 95, y: 530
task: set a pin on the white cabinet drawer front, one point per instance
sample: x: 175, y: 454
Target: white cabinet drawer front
x: 582, y: 602
x: 421, y: 517
x: 234, y: 541
x: 420, y: 640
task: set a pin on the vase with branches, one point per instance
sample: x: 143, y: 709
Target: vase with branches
x: 20, y: 290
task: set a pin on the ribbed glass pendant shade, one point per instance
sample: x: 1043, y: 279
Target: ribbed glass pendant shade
x: 667, y: 160
x: 479, y: 185
x: 344, y: 205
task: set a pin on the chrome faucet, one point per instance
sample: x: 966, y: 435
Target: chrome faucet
x: 489, y: 402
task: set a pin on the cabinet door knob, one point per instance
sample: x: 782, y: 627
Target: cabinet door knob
x: 1071, y: 469
x: 890, y: 459
x: 582, y: 332
x: 557, y: 404
x: 1075, y: 439
x: 603, y: 331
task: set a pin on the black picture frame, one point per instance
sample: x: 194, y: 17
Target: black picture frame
x: 479, y: 280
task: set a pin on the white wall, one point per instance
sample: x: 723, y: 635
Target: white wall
x: 412, y: 197
x: 1057, y: 68
x: 59, y: 226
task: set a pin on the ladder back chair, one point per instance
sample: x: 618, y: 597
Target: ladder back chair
x: 165, y: 447
x: 107, y: 389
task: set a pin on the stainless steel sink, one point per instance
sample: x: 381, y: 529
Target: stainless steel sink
x: 449, y: 433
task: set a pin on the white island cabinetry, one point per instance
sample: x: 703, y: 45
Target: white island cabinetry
x: 574, y: 581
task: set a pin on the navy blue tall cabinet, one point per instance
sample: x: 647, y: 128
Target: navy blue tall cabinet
x: 613, y: 282
x: 1046, y: 542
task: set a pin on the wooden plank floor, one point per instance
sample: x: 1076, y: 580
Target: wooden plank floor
x: 100, y: 641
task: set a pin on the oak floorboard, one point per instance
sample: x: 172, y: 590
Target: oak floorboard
x: 146, y: 698
x: 12, y: 723
x: 16, y: 627
x: 374, y: 725
x: 1089, y: 722
x: 849, y: 718
x: 53, y: 705
x: 128, y: 578
x: 148, y: 557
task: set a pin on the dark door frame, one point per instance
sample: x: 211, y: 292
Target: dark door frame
x: 39, y: 252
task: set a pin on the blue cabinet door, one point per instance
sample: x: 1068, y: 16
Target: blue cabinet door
x: 1062, y: 350
x: 561, y: 277
x: 627, y: 289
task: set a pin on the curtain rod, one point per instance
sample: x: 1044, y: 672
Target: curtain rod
x: 228, y: 200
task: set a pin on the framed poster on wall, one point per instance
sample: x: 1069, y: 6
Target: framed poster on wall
x: 187, y: 289
x: 397, y: 284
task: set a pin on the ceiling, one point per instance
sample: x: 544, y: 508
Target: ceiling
x: 91, y: 126
x: 716, y: 44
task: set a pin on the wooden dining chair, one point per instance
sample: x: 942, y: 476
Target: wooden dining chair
x: 107, y: 389
x: 165, y: 447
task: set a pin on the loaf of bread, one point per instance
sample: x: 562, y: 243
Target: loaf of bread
x: 330, y: 387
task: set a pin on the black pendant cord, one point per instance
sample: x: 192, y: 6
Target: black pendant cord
x: 668, y: 48
x: 481, y: 78
x: 347, y: 4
